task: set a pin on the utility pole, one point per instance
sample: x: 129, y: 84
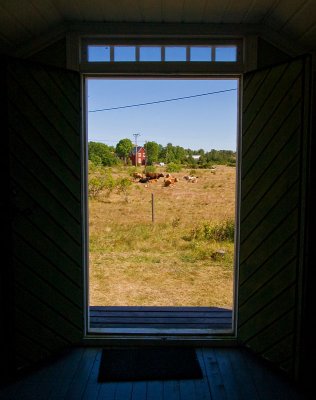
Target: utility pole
x: 136, y: 155
x: 145, y: 153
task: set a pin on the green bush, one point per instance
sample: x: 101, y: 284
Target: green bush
x: 100, y: 182
x: 96, y: 160
x: 220, y: 232
x: 123, y: 186
x: 217, y: 231
x: 173, y: 167
x: 109, y: 184
x: 95, y: 186
x: 149, y: 168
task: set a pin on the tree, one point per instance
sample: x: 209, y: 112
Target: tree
x: 170, y: 157
x: 162, y: 153
x: 180, y: 154
x: 152, y: 152
x: 202, y: 160
x: 101, y: 154
x: 123, y: 186
x: 124, y: 148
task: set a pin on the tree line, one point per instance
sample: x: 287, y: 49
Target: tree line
x: 102, y: 154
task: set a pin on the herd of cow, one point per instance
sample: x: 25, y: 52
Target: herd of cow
x: 152, y: 177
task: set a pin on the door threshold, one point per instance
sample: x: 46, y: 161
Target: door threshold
x: 159, y: 331
x: 153, y: 319
x: 149, y: 336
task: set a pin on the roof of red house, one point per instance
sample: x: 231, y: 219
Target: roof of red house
x: 139, y: 148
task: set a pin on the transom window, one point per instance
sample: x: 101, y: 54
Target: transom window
x: 102, y: 51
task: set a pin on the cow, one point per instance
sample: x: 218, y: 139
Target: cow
x: 170, y: 181
x: 190, y: 178
x: 144, y: 180
x: 137, y: 175
x: 154, y: 175
x: 167, y: 182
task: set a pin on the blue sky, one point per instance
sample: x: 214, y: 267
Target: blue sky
x: 208, y: 122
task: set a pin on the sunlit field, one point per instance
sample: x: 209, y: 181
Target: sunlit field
x: 185, y: 257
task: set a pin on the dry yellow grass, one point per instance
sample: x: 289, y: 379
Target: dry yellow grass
x: 139, y: 263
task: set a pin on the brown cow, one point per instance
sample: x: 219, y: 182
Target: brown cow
x: 154, y: 175
x: 137, y: 175
x: 170, y: 181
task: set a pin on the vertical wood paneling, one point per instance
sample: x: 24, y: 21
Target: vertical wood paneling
x: 44, y: 131
x: 272, y: 202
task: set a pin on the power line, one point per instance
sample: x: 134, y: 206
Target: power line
x: 163, y: 101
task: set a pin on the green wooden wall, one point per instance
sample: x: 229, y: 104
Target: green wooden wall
x: 46, y: 226
x: 273, y: 173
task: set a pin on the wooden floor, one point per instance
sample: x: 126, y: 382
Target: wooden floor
x: 229, y: 373
x: 161, y: 317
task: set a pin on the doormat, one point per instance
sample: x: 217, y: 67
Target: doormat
x: 144, y: 364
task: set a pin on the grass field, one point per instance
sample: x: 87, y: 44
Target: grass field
x: 173, y: 261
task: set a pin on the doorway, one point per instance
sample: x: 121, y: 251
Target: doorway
x: 162, y: 173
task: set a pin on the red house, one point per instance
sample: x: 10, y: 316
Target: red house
x: 141, y: 156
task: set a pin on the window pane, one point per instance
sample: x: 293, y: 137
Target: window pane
x: 201, y: 54
x: 150, y: 53
x: 124, y: 53
x: 227, y: 53
x: 175, y: 53
x: 98, y: 53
